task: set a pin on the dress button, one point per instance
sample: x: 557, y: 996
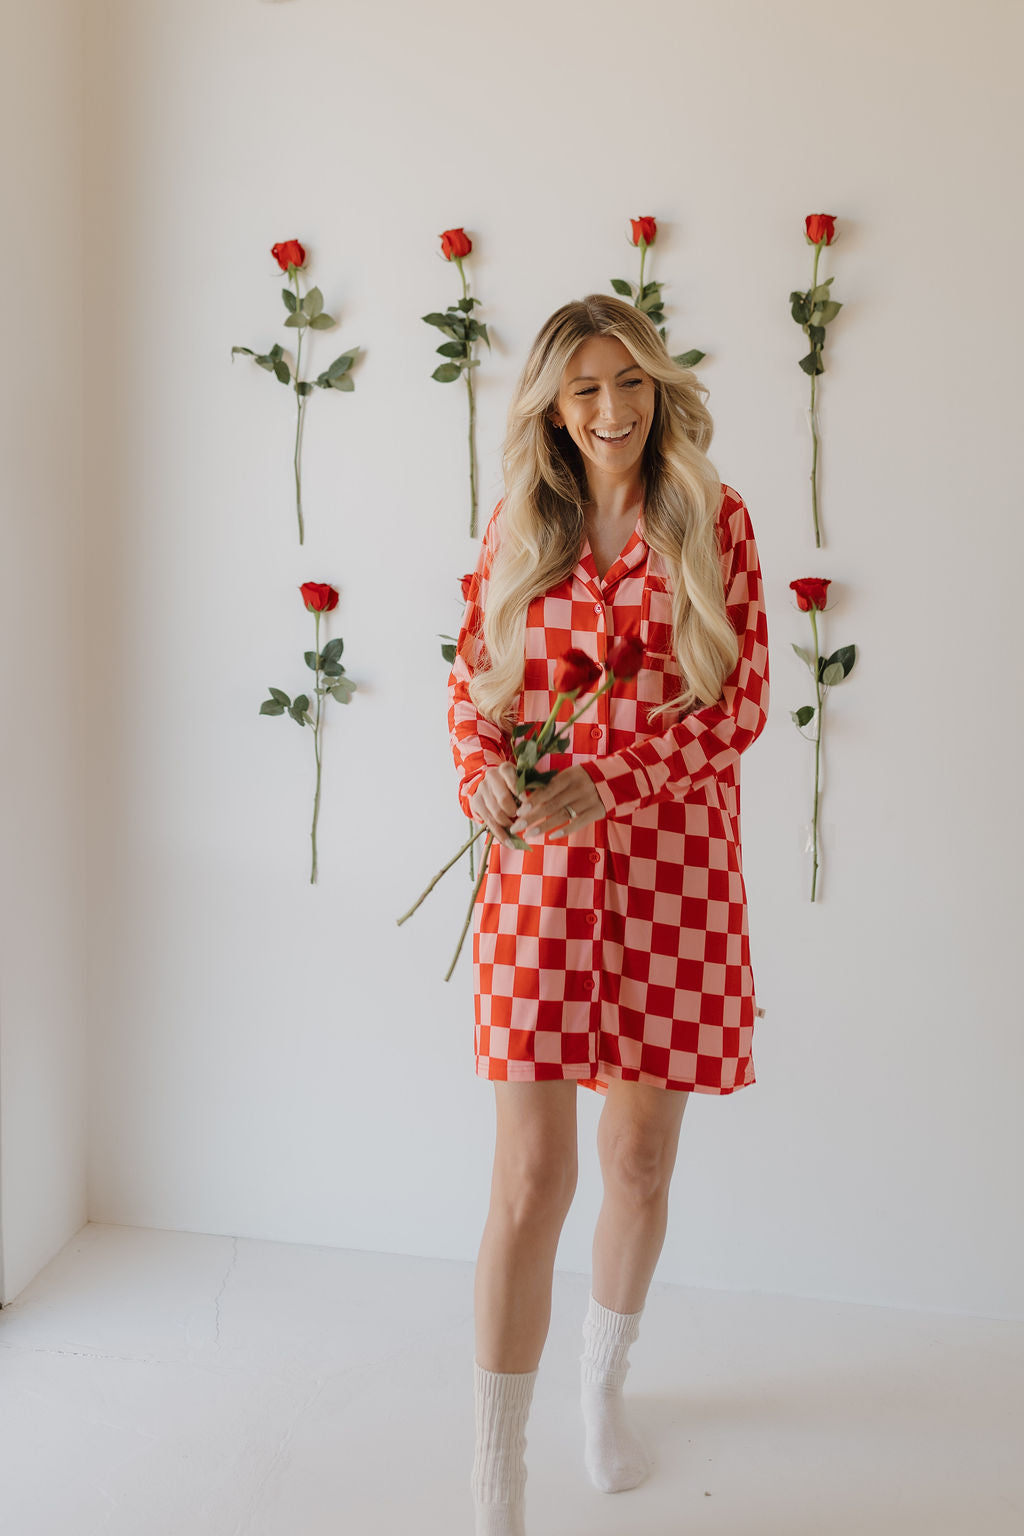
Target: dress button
x: 595, y: 731
x: 588, y: 984
x: 598, y: 608
x: 594, y: 856
x: 591, y: 918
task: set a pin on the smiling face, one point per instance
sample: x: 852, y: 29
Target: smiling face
x: 606, y: 404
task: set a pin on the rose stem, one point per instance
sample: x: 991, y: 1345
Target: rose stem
x: 814, y: 434
x: 302, y: 405
x: 472, y: 903
x: 472, y: 409
x: 817, y: 748
x: 316, y: 745
x: 468, y: 844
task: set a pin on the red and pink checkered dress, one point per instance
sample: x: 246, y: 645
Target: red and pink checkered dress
x: 621, y: 950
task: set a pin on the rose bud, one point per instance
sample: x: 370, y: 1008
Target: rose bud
x: 626, y: 656
x: 645, y: 230
x: 455, y: 243
x: 318, y: 596
x: 821, y: 228
x: 470, y: 586
x: 811, y: 592
x: 575, y: 671
x: 288, y: 253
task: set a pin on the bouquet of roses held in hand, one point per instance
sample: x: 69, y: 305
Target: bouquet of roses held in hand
x: 575, y: 673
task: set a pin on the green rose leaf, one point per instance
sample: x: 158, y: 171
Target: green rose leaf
x: 446, y: 373
x: 297, y: 321
x: 280, y: 696
x: 820, y: 294
x: 313, y: 303
x: 342, y: 364
x: 448, y: 652
x: 290, y: 302
x: 621, y: 286
x: 803, y: 715
x: 332, y: 669
x: 343, y: 690
x: 269, y: 707
x: 310, y: 659
x: 805, y: 656
x: 247, y: 350
x: 283, y: 372
x: 333, y: 649
x: 435, y: 319
x: 322, y: 322
x: 812, y: 364
x: 346, y: 382
x: 844, y: 657
x: 832, y: 673
x: 689, y: 359
x: 452, y: 349
x: 304, y: 388
x: 826, y: 312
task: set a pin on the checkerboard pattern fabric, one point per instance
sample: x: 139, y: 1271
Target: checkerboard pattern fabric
x: 621, y: 950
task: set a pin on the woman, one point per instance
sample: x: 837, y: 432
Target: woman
x: 612, y: 952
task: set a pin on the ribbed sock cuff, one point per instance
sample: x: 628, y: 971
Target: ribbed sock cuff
x: 608, y: 1337
x: 502, y: 1404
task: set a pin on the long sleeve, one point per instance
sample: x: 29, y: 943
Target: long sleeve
x: 707, y: 741
x: 477, y: 743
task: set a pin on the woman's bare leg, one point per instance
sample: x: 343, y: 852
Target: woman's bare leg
x: 532, y: 1187
x: 637, y: 1138
x: 637, y: 1141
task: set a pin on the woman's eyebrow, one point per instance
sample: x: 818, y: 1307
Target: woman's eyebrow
x: 589, y: 377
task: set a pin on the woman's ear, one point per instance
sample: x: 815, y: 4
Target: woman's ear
x: 555, y: 420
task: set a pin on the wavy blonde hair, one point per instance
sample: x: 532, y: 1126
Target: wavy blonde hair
x: 541, y: 524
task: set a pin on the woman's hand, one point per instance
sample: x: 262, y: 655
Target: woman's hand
x: 494, y: 801
x: 543, y: 810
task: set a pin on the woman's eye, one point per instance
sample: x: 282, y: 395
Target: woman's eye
x: 633, y: 383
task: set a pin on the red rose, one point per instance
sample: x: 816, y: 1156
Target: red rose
x: 575, y: 672
x: 821, y: 228
x: 318, y: 596
x: 644, y: 229
x: 455, y: 243
x: 288, y: 253
x: 626, y: 656
x: 470, y: 586
x: 811, y: 592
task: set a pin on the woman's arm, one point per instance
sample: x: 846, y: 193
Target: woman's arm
x: 477, y: 743
x: 708, y: 740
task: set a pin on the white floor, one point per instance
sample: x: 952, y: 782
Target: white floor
x: 167, y: 1384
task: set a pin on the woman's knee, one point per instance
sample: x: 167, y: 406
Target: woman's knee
x: 535, y: 1152
x: 638, y: 1166
x: 534, y: 1184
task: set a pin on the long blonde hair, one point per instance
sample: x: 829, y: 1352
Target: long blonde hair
x: 541, y: 524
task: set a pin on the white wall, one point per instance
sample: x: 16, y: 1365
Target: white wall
x: 43, y: 609
x: 279, y: 1061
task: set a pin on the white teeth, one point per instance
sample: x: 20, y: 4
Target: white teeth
x: 613, y: 435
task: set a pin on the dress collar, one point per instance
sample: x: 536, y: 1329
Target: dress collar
x: 632, y: 554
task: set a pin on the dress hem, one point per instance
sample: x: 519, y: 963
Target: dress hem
x: 589, y: 1076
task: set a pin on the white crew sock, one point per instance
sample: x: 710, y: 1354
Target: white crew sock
x: 614, y: 1456
x: 498, y: 1483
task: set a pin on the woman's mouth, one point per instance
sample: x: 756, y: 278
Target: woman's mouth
x: 607, y: 435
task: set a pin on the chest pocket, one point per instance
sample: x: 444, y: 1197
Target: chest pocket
x: 661, y: 677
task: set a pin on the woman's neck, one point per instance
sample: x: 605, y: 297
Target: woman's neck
x: 613, y: 502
